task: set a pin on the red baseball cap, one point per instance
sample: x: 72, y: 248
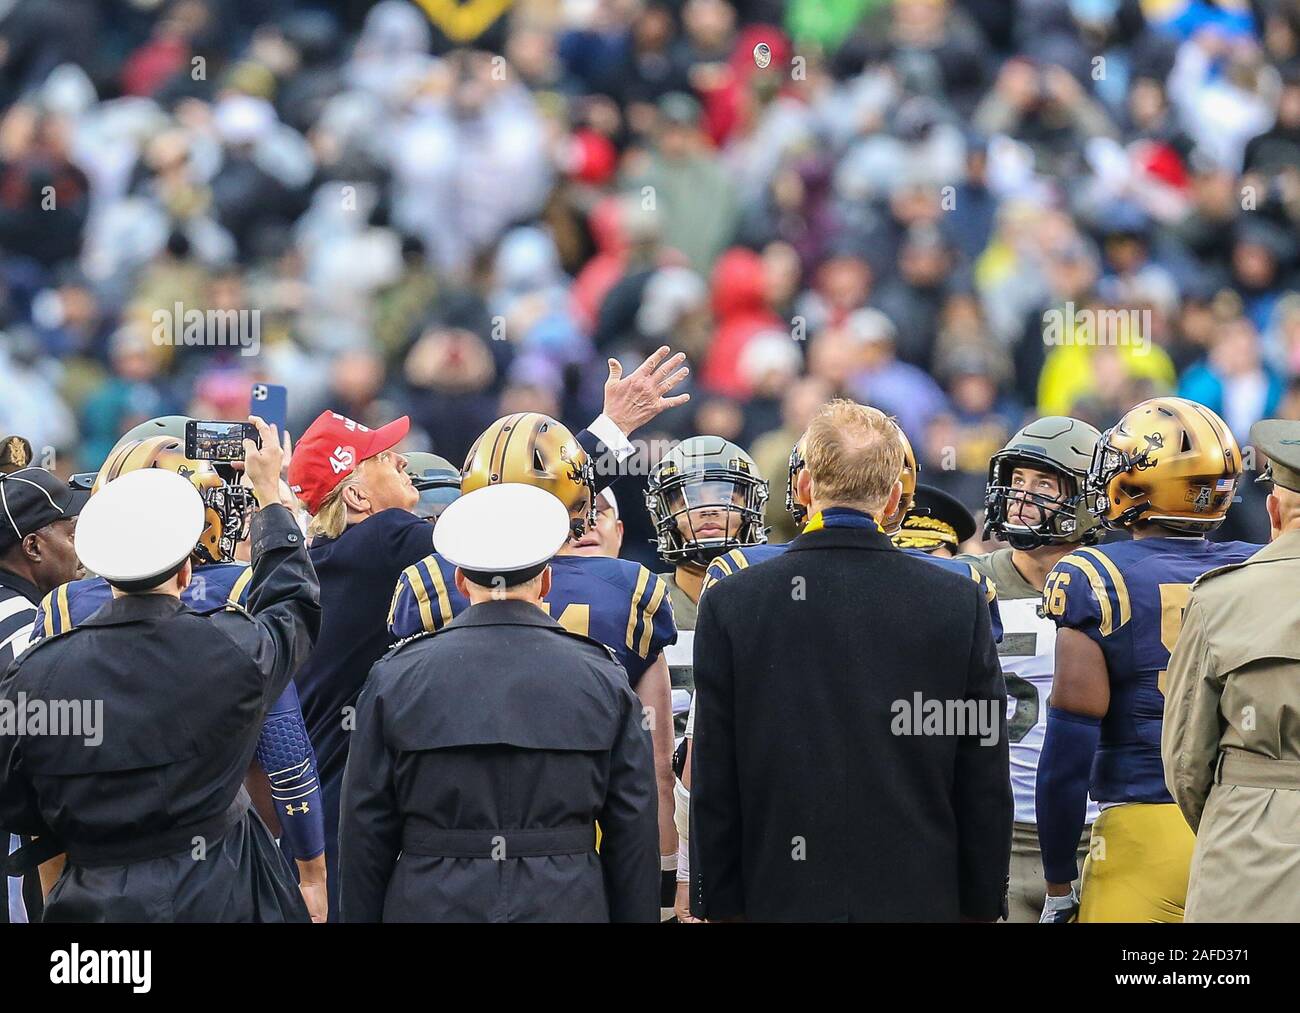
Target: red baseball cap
x: 330, y: 450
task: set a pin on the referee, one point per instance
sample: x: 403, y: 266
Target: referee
x: 37, y: 516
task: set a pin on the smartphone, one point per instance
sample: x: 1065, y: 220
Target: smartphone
x: 270, y: 403
x: 218, y: 441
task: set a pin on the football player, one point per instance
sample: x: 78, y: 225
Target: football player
x: 705, y: 498
x: 615, y: 601
x: 283, y: 749
x: 605, y: 536
x: 1167, y: 472
x: 1034, y: 501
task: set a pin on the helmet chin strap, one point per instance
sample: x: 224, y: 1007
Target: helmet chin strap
x: 1024, y: 540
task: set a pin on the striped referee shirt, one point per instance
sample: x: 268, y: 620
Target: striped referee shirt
x: 18, y: 599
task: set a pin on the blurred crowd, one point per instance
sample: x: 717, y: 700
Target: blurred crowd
x: 464, y: 211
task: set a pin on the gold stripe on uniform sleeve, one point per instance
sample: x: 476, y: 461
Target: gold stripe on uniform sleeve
x: 237, y: 590
x: 642, y: 579
x: 1084, y: 565
x: 718, y: 569
x: 739, y: 559
x: 1116, y: 578
x: 440, y: 589
x: 661, y: 588
x: 983, y: 583
x: 416, y: 582
x: 65, y: 620
x: 48, y: 605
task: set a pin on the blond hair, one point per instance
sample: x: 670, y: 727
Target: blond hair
x: 331, y: 520
x: 854, y: 456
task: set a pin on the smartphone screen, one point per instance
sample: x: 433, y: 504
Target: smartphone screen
x: 218, y: 441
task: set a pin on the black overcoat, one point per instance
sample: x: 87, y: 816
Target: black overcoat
x: 153, y: 817
x: 483, y: 756
x: 813, y: 798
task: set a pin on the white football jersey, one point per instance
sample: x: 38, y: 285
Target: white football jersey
x: 1028, y: 656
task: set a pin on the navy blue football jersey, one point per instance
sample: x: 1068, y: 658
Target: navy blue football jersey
x: 1129, y: 598
x: 70, y: 605
x: 615, y: 601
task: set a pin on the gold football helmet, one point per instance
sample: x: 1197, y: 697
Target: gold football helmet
x: 228, y: 509
x: 534, y: 449
x: 889, y: 525
x: 892, y: 524
x: 1170, y: 461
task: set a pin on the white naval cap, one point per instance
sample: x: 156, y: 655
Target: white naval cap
x: 140, y: 528
x: 508, y: 530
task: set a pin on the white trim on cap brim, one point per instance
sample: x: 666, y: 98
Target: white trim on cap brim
x: 502, y: 528
x: 143, y: 524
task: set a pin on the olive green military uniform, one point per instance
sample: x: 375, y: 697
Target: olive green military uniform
x: 1231, y: 741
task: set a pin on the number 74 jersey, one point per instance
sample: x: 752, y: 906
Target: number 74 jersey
x: 615, y: 601
x: 1129, y: 598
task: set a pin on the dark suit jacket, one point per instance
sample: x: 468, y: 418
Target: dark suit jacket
x: 808, y: 803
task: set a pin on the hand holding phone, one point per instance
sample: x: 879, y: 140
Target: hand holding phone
x: 264, y: 457
x: 269, y: 402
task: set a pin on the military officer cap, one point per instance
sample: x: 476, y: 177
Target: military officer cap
x: 139, y: 529
x: 936, y: 519
x: 15, y: 453
x: 502, y: 533
x: 1279, y: 441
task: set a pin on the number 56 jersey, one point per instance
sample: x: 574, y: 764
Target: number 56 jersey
x: 1129, y: 598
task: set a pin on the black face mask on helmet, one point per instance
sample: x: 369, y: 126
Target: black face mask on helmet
x: 234, y: 506
x: 1062, y: 520
x: 735, y: 501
